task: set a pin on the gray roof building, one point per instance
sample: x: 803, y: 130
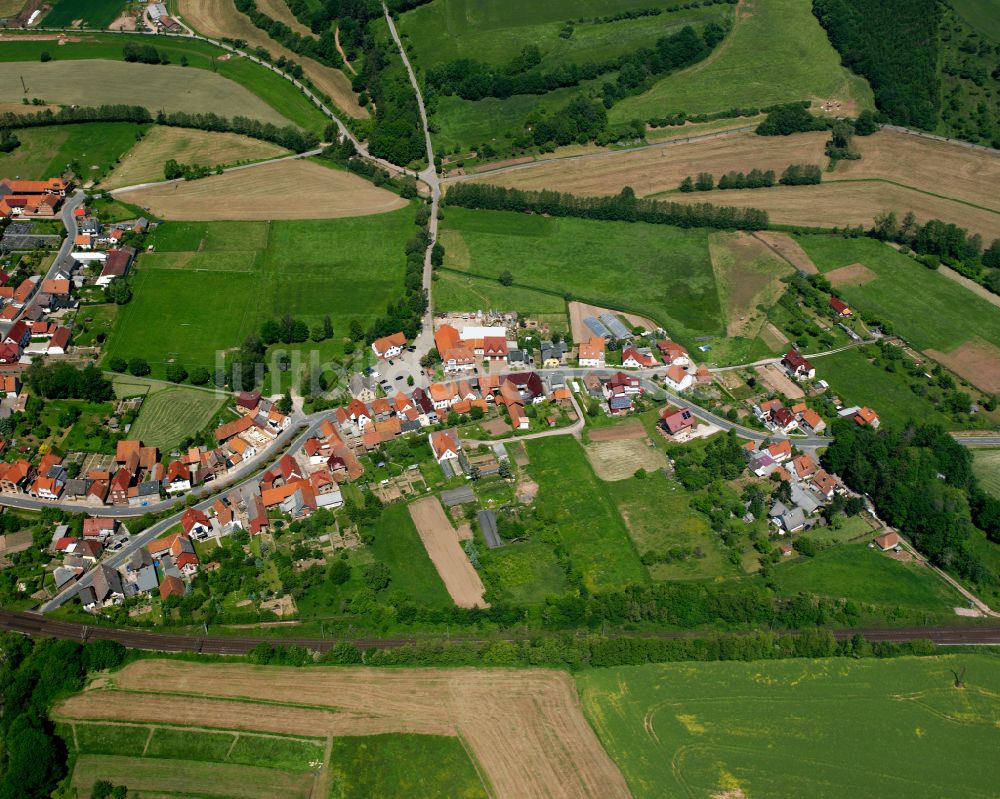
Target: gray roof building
x: 488, y: 524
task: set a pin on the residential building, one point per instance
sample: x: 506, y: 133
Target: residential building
x: 797, y: 366
x: 389, y: 346
x: 591, y: 353
x: 675, y: 420
x: 677, y: 379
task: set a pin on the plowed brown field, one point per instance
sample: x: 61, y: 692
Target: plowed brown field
x: 524, y: 727
x: 441, y: 542
x: 219, y: 19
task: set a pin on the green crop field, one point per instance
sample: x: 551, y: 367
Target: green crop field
x: 171, y: 413
x: 983, y: 15
x: 496, y: 32
x: 986, y: 466
x: 777, y: 52
x: 659, y: 515
x: 861, y: 574
x: 281, y: 98
x: 657, y: 271
x: 895, y: 729
x: 94, y: 13
x: 211, y: 284
x: 46, y: 152
x: 926, y: 308
x: 398, y: 765
x: 583, y: 509
x: 397, y: 544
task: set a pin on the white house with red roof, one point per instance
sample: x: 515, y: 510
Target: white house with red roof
x: 445, y: 445
x: 677, y: 378
x: 389, y: 346
x: 797, y: 366
x: 632, y: 358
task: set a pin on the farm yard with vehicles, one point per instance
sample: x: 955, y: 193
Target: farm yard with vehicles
x: 445, y: 398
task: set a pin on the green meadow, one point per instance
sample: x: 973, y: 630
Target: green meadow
x: 896, y: 729
x: 209, y: 285
x: 776, y: 53
x: 45, y: 152
x: 657, y: 271
x: 986, y: 465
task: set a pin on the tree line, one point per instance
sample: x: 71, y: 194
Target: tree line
x: 473, y: 80
x: 145, y: 54
x: 921, y: 482
x: 322, y: 49
x: 624, y: 207
x: 705, y: 181
x: 289, y: 137
x: 894, y: 44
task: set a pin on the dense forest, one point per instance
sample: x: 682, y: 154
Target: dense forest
x: 920, y: 480
x: 623, y: 207
x: 927, y: 67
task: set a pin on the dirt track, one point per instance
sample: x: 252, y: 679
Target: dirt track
x: 525, y: 727
x: 788, y: 248
x: 441, y: 542
x: 282, y: 190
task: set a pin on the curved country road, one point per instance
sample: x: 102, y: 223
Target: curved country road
x: 42, y: 626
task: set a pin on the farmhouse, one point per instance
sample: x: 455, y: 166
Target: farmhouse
x: 840, y: 307
x: 797, y: 366
x: 118, y: 263
x: 389, y: 346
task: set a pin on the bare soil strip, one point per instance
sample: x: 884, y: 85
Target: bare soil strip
x: 772, y: 376
x: 657, y: 169
x: 971, y: 285
x: 853, y: 275
x: 280, y: 190
x: 977, y: 361
x: 219, y: 19
x: 788, y: 248
x: 441, y: 542
x: 525, y: 727
x: 620, y: 432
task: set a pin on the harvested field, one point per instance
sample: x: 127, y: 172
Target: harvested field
x: 220, y: 19
x: 620, y: 459
x: 279, y: 10
x: 853, y: 275
x: 661, y: 168
x: 775, y: 378
x: 851, y: 203
x: 525, y: 728
x: 620, y: 432
x: 190, y: 778
x: 789, y: 249
x: 441, y: 542
x: 11, y: 8
x: 97, y: 82
x: 978, y: 361
x: 126, y: 706
x: 578, y: 311
x: 21, y: 108
x: 250, y: 195
x: 947, y: 169
x: 144, y: 163
x: 748, y: 274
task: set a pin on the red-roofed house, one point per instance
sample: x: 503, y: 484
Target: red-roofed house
x: 59, y: 342
x: 866, y: 416
x: 195, y: 521
x: 495, y: 348
x: 840, y: 307
x: 633, y: 359
x: 445, y: 445
x: 797, y: 366
x: 389, y: 346
x: 887, y: 541
x: 674, y: 420
x: 677, y: 379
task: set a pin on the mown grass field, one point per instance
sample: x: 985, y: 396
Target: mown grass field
x: 981, y: 15
x: 455, y: 291
x: 986, y: 466
x: 145, y: 161
x: 428, y: 766
x: 584, y: 510
x: 282, y: 98
x: 861, y: 574
x: 93, y: 13
x: 896, y: 729
x: 777, y: 52
x: 168, y: 88
x: 658, y: 514
x: 656, y: 271
x: 171, y: 413
x: 240, y: 274
x: 46, y: 152
x: 926, y: 308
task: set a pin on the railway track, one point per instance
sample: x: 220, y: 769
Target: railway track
x: 44, y: 627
